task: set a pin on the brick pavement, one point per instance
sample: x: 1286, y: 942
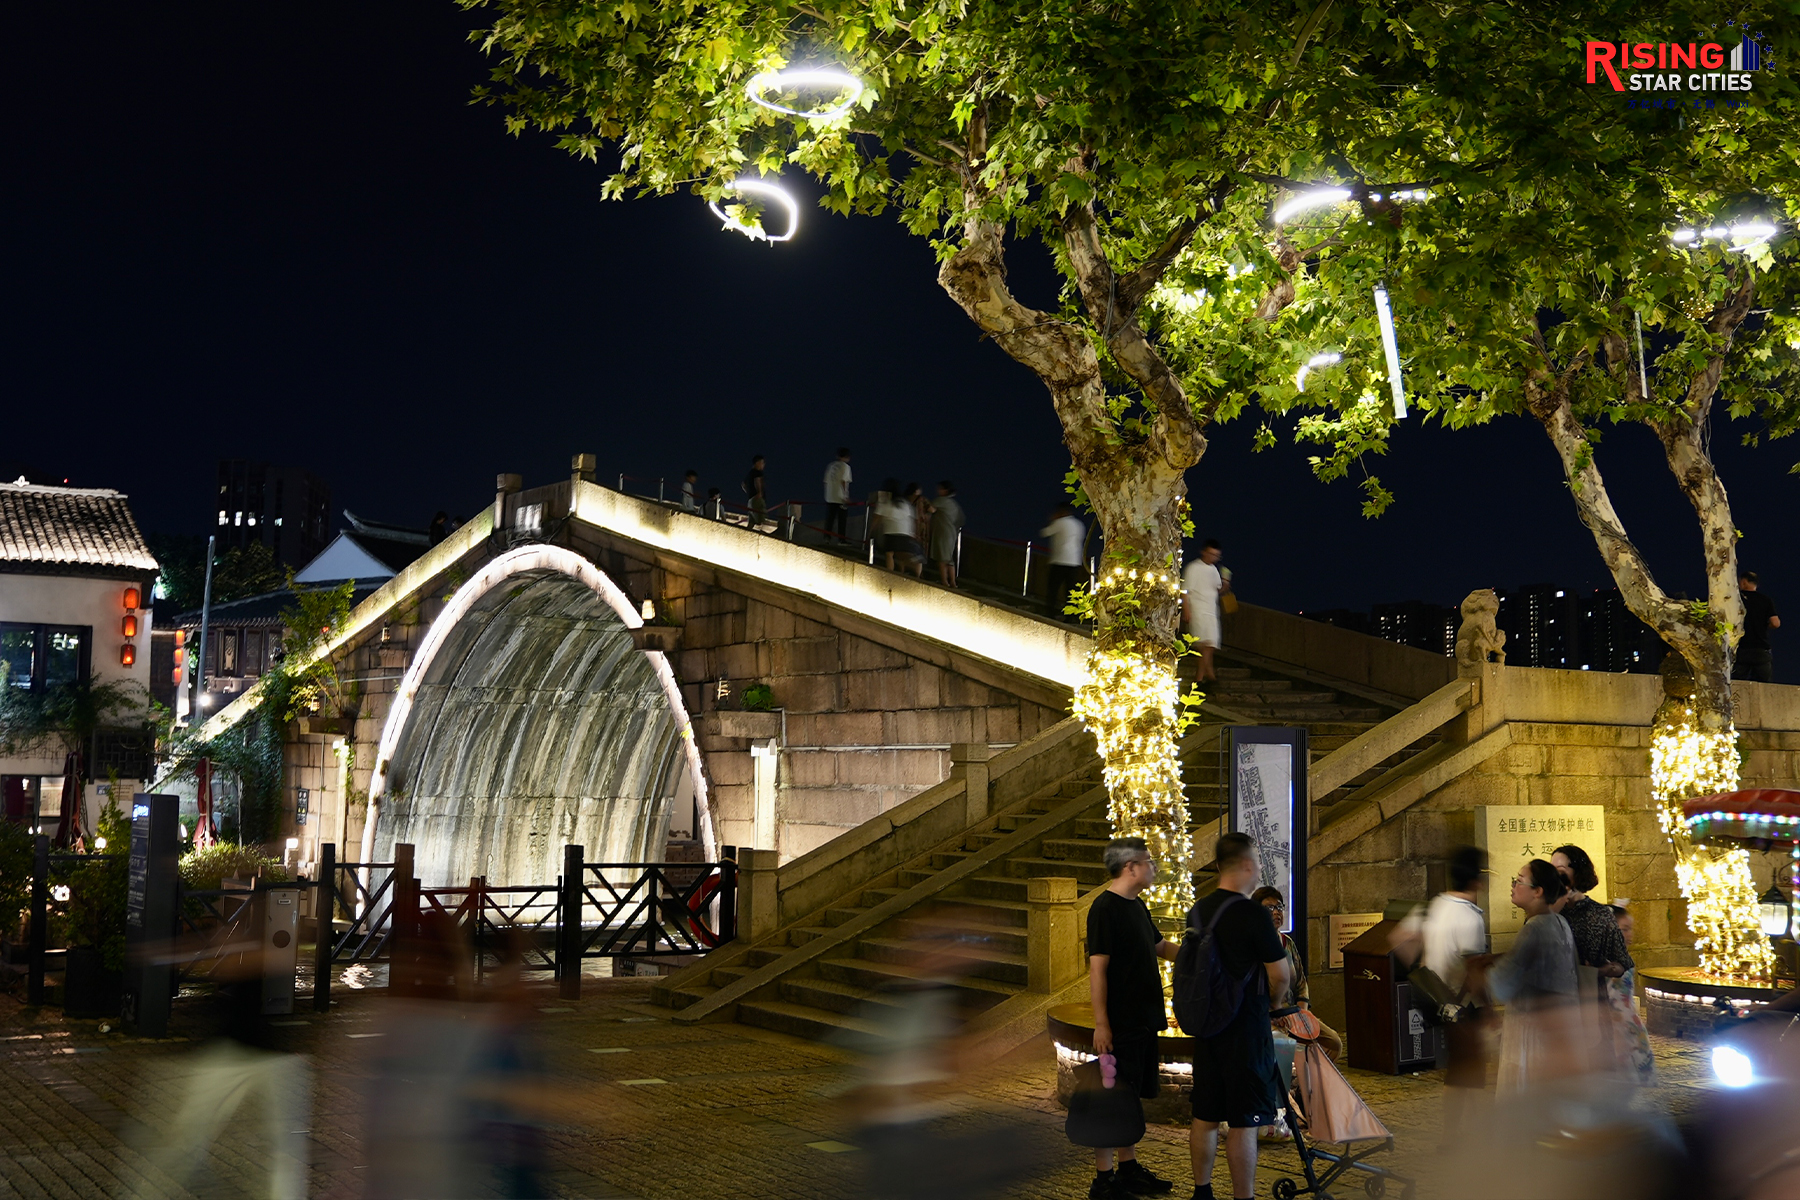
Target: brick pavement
x: 635, y: 1107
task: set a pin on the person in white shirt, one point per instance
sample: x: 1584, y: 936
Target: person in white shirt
x: 837, y: 496
x: 1454, y: 930
x: 1202, y: 582
x: 1067, y: 537
x: 690, y: 491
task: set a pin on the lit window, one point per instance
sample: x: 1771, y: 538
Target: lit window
x: 223, y: 518
x: 278, y: 522
x: 240, y: 518
x: 33, y: 657
x: 252, y: 519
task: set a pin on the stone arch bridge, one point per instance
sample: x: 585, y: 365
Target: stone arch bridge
x: 508, y: 695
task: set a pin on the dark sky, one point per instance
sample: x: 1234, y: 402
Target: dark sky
x: 280, y: 231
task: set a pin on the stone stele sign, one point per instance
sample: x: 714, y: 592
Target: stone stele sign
x: 1513, y: 835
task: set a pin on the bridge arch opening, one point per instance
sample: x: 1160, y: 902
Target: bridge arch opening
x: 528, y: 720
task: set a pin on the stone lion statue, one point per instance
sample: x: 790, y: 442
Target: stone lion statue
x: 1479, y: 638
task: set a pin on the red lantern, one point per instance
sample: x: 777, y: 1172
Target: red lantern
x: 179, y: 655
x: 175, y: 677
x: 127, y: 654
x: 131, y: 598
x: 129, y: 625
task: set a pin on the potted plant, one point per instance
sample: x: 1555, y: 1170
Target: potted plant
x: 93, y: 925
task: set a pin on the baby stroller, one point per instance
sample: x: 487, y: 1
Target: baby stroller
x: 1323, y: 1107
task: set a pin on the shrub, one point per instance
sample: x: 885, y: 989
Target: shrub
x: 206, y: 870
x: 759, y: 697
x: 15, y: 877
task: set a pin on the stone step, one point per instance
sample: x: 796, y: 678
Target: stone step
x: 1239, y: 684
x: 874, y: 896
x: 1232, y: 672
x: 995, y: 887
x: 1307, y: 714
x: 1075, y: 848
x: 948, y: 859
x: 1236, y: 698
x: 983, y: 963
x: 874, y: 974
x: 1015, y: 914
x: 799, y: 935
x: 681, y: 997
x: 814, y: 1024
x: 762, y: 958
x: 946, y: 929
x: 1094, y: 827
x: 840, y: 916
x: 1035, y: 868
x: 977, y: 842
x: 834, y: 996
x: 913, y: 876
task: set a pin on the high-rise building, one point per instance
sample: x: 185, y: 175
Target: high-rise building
x: 1415, y: 623
x: 1613, y: 639
x: 284, y: 508
x: 1543, y: 627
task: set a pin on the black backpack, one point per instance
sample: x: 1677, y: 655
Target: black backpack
x: 1206, y: 996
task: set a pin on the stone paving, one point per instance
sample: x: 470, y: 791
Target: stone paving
x: 632, y: 1106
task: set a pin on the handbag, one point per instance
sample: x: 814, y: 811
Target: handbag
x: 1228, y: 602
x: 1101, y: 1116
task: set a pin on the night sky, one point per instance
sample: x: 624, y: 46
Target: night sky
x: 280, y: 231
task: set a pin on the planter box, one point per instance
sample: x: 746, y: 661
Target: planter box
x: 666, y: 638
x: 335, y: 726
x: 89, y: 989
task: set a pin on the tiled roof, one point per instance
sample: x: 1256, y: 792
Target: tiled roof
x: 69, y: 526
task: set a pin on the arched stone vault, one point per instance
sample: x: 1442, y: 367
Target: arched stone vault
x: 529, y: 720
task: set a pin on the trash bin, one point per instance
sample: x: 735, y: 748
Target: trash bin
x: 1386, y: 1032
x: 280, y: 946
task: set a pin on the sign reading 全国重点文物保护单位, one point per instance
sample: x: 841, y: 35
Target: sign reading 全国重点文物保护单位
x: 1514, y: 834
x: 1692, y: 74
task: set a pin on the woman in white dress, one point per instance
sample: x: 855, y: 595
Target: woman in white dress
x: 1202, y: 583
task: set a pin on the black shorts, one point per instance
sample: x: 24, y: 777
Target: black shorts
x: 1138, y: 1066
x: 899, y: 543
x: 1235, y: 1077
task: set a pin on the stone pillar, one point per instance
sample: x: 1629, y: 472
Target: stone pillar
x: 765, y: 764
x: 1054, y: 947
x: 582, y: 467
x: 969, y: 760
x: 505, y: 484
x: 757, y: 901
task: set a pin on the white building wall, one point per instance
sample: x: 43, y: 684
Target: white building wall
x: 74, y: 600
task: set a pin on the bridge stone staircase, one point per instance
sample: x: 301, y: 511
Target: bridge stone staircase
x: 963, y: 911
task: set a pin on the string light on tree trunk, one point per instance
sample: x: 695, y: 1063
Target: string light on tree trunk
x: 1130, y: 703
x: 1687, y: 761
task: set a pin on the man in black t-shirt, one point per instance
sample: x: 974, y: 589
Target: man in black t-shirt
x: 1755, y: 660
x: 1235, y: 1078
x: 1125, y: 986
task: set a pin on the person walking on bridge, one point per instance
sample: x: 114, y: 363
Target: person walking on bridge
x: 1202, y: 583
x: 755, y: 495
x: 946, y: 529
x: 837, y: 496
x: 1067, y: 535
x: 1755, y: 660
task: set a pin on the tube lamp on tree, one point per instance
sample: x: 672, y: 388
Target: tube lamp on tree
x: 1390, y: 346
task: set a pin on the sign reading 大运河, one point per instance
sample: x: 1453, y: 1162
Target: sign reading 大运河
x: 1513, y: 835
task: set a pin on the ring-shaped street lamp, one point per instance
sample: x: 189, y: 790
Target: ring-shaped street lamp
x: 806, y: 79
x: 759, y: 187
x: 1328, y: 359
x: 1327, y: 196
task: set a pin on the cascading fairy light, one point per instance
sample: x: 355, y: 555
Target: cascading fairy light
x: 1130, y: 702
x: 1686, y: 761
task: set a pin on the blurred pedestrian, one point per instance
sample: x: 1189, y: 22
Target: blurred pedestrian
x: 1202, y: 584
x: 900, y: 529
x: 690, y: 491
x: 1454, y: 930
x: 837, y: 496
x: 946, y: 525
x: 440, y: 527
x: 1541, y: 1037
x: 715, y: 505
x: 1755, y: 660
x: 1633, y: 1039
x: 755, y: 494
x: 1298, y: 995
x: 1125, y: 989
x: 1236, y: 1079
x: 1066, y: 568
